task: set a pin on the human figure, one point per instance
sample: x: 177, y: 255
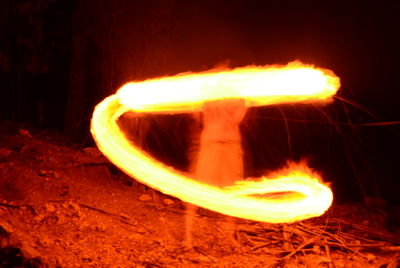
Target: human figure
x: 219, y: 160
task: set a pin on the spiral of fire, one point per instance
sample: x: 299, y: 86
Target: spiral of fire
x: 261, y: 199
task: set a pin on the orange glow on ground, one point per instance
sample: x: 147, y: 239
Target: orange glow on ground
x: 250, y: 199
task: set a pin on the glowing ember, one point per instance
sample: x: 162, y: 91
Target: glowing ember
x: 249, y: 199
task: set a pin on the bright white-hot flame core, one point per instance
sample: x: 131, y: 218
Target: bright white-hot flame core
x: 249, y: 199
x: 257, y: 85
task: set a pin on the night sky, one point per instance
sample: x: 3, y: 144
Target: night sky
x: 59, y: 58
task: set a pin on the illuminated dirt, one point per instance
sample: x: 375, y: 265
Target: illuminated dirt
x: 67, y: 206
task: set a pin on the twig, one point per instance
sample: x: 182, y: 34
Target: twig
x: 371, y: 232
x: 356, y: 237
x: 391, y: 248
x: 121, y: 218
x: 9, y: 205
x: 328, y: 255
x: 306, y: 243
x: 321, y: 232
x: 259, y: 239
x: 346, y: 247
x: 367, y: 245
x: 201, y: 251
x: 286, y: 242
x: 263, y: 246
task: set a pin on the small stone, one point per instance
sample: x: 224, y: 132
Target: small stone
x: 324, y: 259
x: 100, y: 227
x: 145, y: 198
x: 56, y: 174
x: 371, y: 257
x: 203, y: 258
x: 75, y: 206
x: 49, y: 207
x: 45, y: 173
x: 38, y: 218
x: 168, y: 201
x: 140, y: 230
x: 92, y: 151
x: 77, y: 209
x: 316, y: 249
x: 60, y: 219
x: 5, y: 152
x: 125, y: 217
x: 6, y: 227
x: 24, y: 133
x: 28, y: 251
x: 132, y: 236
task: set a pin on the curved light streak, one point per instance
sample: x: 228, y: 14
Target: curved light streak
x: 250, y: 199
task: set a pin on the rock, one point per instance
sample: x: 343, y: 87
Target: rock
x: 27, y: 250
x: 25, y: 133
x: 168, y: 201
x: 5, y: 228
x: 93, y: 151
x: 45, y: 173
x: 4, y: 237
x: 145, y: 198
x: 203, y: 258
x: 4, y: 152
x: 140, y: 230
x: 15, y: 257
x: 76, y: 208
x: 38, y: 218
x: 50, y: 207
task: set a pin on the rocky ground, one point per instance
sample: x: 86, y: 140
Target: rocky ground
x: 65, y: 206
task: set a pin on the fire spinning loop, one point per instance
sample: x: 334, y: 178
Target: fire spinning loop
x: 254, y: 199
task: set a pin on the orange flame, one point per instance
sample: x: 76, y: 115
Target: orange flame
x: 249, y: 199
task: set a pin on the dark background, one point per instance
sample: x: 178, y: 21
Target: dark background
x: 59, y: 58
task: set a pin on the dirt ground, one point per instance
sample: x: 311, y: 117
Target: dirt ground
x: 65, y: 206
